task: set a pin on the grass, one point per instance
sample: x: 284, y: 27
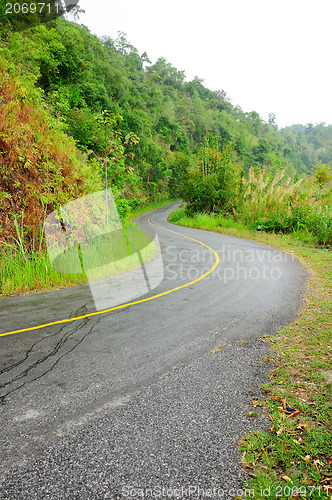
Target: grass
x: 212, y: 222
x: 293, y: 459
x: 117, y: 255
x: 23, y: 271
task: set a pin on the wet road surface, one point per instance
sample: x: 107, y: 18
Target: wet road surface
x: 133, y: 398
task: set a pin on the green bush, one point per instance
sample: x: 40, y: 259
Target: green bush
x: 123, y: 206
x: 321, y: 226
x: 178, y: 215
x: 307, y: 220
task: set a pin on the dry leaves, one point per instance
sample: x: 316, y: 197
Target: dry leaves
x: 301, y: 426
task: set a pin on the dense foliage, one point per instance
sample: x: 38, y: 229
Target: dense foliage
x: 260, y: 200
x: 40, y: 167
x: 168, y: 137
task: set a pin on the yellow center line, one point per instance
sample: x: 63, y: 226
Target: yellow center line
x: 69, y: 320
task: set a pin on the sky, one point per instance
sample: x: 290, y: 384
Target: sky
x: 270, y: 56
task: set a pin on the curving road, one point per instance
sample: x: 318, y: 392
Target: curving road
x: 110, y: 404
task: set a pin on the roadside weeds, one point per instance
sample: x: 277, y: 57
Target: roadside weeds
x: 24, y: 271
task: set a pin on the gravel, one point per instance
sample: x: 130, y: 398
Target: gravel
x: 178, y: 433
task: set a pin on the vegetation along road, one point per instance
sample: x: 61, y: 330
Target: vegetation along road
x: 151, y: 395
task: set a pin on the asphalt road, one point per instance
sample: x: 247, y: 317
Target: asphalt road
x: 112, y: 404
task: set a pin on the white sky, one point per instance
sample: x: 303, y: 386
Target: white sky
x: 268, y: 55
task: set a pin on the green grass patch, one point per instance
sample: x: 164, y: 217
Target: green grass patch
x: 294, y: 458
x: 211, y: 222
x: 23, y: 271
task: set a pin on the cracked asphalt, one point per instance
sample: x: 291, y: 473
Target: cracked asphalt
x: 132, y: 401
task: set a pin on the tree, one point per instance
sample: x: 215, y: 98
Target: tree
x: 272, y: 121
x: 196, y: 86
x: 145, y: 58
x: 261, y: 151
x: 116, y: 147
x: 122, y: 45
x: 106, y: 119
x: 166, y: 73
x: 255, y: 123
x: 322, y: 177
x: 213, y: 184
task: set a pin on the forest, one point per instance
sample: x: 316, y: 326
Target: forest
x: 68, y: 98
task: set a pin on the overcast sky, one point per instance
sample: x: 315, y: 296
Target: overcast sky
x: 268, y: 55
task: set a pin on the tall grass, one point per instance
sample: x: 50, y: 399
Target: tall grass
x: 21, y: 272
x: 229, y: 225
x: 279, y: 205
x: 275, y: 204
x: 263, y: 196
x: 208, y: 222
x: 24, y: 269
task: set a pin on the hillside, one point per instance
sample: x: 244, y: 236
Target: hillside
x: 56, y: 79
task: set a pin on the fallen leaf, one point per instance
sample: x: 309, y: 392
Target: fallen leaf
x: 287, y: 479
x: 271, y: 373
x: 296, y: 412
x: 330, y: 461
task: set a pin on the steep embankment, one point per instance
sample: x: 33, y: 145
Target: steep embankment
x: 40, y: 167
